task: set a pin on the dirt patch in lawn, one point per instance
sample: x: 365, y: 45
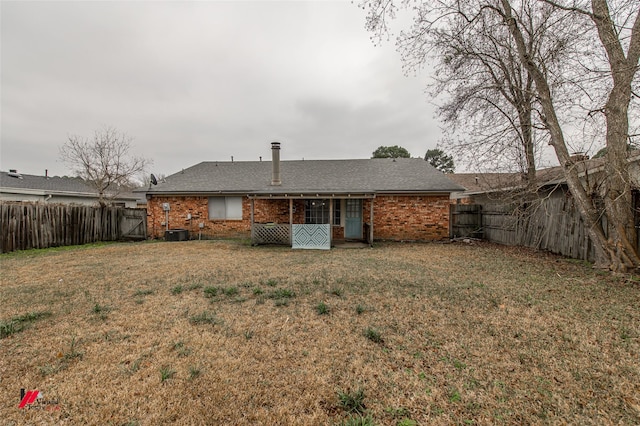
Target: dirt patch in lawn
x: 218, y: 332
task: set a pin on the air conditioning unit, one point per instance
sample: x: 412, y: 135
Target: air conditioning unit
x: 176, y: 235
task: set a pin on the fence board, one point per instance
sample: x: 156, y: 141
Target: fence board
x: 25, y: 226
x: 554, y: 225
x: 465, y: 220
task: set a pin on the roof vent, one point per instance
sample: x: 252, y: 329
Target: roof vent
x: 14, y: 173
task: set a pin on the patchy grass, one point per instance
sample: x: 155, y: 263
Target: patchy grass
x: 20, y: 322
x: 145, y: 292
x: 352, y: 401
x: 357, y: 420
x: 166, y: 373
x: 282, y: 293
x: 194, y: 372
x: 101, y: 311
x: 471, y: 335
x: 204, y: 318
x: 322, y: 309
x: 230, y: 291
x: 211, y: 291
x: 373, y: 335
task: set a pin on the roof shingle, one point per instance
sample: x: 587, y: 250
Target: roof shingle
x: 52, y: 184
x: 309, y: 176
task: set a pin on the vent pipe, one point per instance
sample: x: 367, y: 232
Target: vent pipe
x: 275, y: 162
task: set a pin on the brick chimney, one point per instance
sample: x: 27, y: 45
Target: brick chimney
x: 275, y: 162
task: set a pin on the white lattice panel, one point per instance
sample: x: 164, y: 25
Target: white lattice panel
x: 271, y: 234
x: 312, y: 237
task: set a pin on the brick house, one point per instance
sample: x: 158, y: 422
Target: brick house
x: 305, y: 203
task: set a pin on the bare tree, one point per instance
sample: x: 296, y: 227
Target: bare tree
x: 104, y: 161
x: 487, y: 99
x: 533, y: 40
x: 617, y: 250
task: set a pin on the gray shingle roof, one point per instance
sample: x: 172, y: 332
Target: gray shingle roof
x: 482, y: 182
x: 476, y: 183
x: 309, y: 176
x: 52, y: 185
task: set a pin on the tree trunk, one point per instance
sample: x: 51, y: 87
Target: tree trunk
x: 618, y: 200
x: 524, y: 115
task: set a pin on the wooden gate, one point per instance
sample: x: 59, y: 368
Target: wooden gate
x: 133, y: 225
x: 466, y: 220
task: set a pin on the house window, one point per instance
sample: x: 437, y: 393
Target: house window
x: 336, y: 212
x: 225, y: 208
x: 316, y: 211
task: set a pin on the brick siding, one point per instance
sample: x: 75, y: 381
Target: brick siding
x: 403, y: 217
x: 421, y: 218
x: 198, y: 207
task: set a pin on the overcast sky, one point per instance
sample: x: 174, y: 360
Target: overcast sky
x: 203, y: 81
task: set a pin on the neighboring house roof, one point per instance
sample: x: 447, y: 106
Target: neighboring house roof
x: 16, y: 183
x: 367, y: 176
x: 482, y: 182
x: 476, y: 183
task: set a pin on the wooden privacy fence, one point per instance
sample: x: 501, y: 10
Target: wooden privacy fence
x: 554, y: 225
x: 466, y: 220
x: 26, y: 226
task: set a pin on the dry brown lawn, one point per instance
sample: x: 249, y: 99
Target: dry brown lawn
x: 218, y: 332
